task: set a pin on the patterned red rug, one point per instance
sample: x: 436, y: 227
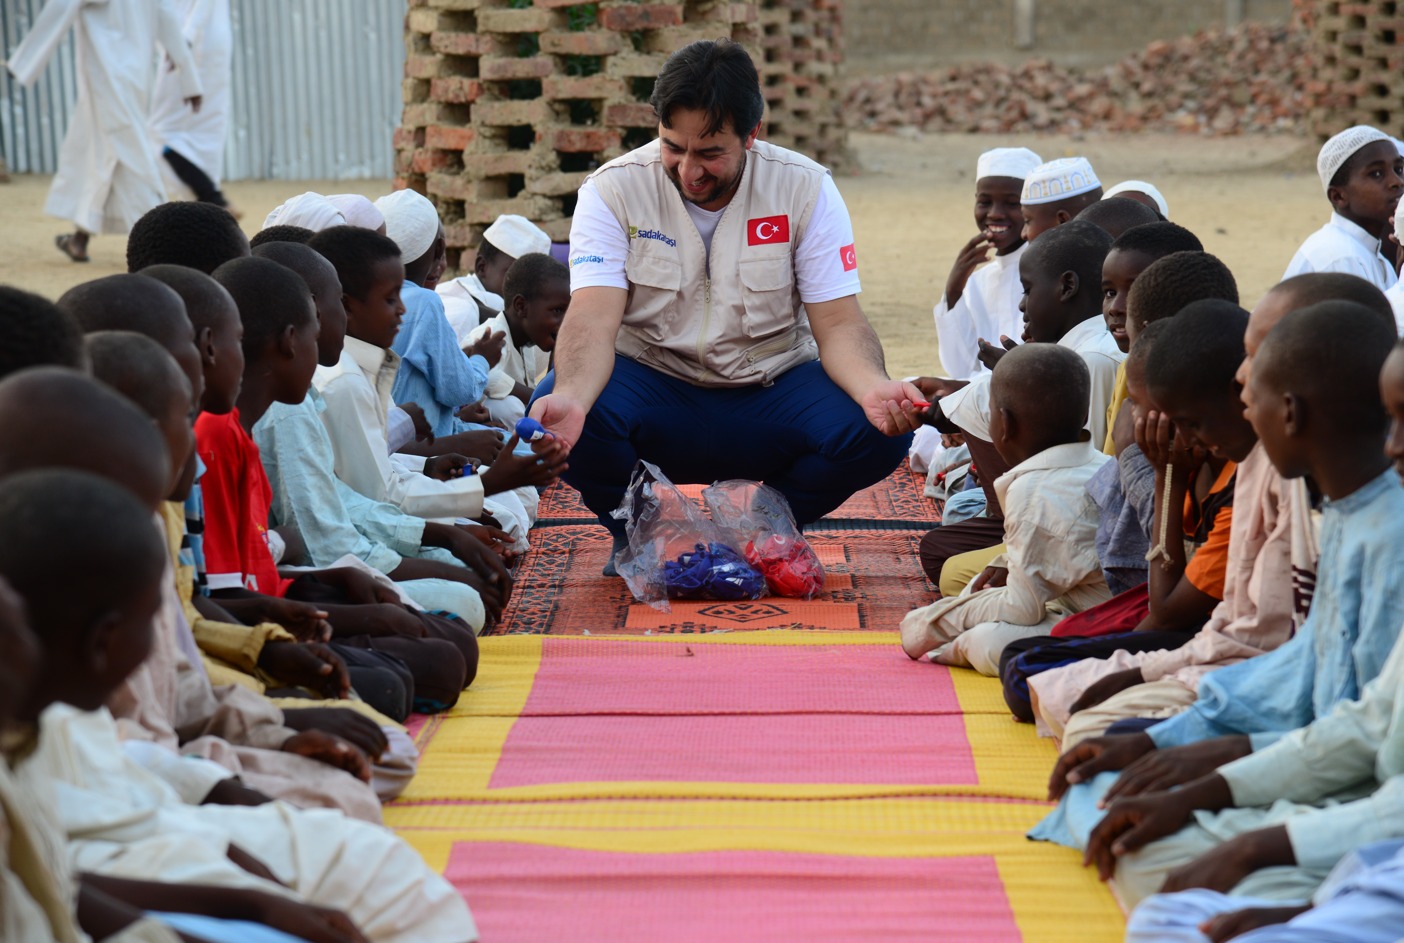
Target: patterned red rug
x: 873, y: 578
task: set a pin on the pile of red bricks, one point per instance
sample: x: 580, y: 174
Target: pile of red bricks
x: 1249, y: 79
x: 509, y: 104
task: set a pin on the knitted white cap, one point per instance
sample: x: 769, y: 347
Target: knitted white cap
x: 1140, y: 186
x: 1340, y: 147
x: 358, y: 210
x: 1059, y: 179
x: 309, y: 210
x: 1016, y: 162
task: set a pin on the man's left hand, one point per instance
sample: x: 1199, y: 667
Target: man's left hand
x: 890, y: 407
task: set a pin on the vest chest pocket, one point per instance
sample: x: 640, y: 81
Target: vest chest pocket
x: 767, y: 290
x: 654, y: 288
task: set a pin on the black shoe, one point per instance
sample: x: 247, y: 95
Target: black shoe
x: 619, y: 544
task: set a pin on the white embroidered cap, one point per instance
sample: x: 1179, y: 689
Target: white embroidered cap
x: 1059, y: 179
x: 411, y: 221
x: 358, y: 210
x: 1016, y: 162
x: 1339, y: 148
x: 309, y: 210
x: 1140, y: 186
x: 517, y: 236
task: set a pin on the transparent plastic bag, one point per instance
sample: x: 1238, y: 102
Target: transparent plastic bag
x: 675, y: 551
x: 757, y: 518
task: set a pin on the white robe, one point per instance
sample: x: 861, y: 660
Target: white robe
x: 120, y: 820
x: 108, y: 175
x: 197, y: 136
x: 461, y: 298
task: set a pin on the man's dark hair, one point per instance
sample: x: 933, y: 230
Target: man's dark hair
x: 715, y: 76
x: 35, y: 333
x: 281, y: 234
x: 201, y: 236
x: 354, y: 252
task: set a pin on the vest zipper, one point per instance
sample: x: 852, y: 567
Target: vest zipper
x: 706, y: 321
x: 777, y: 346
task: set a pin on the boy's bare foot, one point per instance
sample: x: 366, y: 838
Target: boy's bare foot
x: 71, y: 246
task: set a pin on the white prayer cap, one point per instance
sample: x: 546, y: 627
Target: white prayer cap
x: 1058, y: 180
x: 1140, y: 186
x: 411, y: 221
x: 1341, y: 147
x: 1016, y: 162
x: 358, y: 210
x: 517, y: 236
x: 309, y: 210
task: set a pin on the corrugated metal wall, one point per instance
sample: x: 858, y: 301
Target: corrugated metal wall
x: 316, y: 91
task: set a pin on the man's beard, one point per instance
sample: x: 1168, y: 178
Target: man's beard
x: 716, y: 193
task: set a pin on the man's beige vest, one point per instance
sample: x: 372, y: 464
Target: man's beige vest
x: 737, y: 321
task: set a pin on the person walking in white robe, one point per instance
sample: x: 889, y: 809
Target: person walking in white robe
x: 191, y: 141
x: 108, y: 174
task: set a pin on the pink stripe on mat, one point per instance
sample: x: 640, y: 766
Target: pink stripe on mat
x: 890, y: 749
x: 580, y: 676
x: 529, y: 893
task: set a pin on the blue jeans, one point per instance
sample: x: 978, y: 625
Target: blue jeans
x: 802, y: 435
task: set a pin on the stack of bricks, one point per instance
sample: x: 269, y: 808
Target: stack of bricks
x: 509, y: 104
x: 1359, y: 78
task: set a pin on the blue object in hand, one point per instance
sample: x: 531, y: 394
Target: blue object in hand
x: 529, y: 430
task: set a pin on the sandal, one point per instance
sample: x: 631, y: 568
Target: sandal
x: 65, y: 245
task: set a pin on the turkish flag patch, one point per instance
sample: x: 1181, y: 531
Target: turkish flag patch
x: 849, y: 256
x: 767, y: 229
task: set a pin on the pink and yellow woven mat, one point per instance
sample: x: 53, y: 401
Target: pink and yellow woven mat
x: 745, y: 786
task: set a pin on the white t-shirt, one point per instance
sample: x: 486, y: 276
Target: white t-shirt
x: 599, y: 245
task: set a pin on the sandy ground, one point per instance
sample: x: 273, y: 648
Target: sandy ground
x: 1251, y: 200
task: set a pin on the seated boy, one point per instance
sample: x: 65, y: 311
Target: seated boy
x: 1362, y: 174
x: 983, y: 301
x: 357, y: 395
x: 1319, y: 422
x: 335, y: 520
x: 1194, y: 400
x: 1050, y: 523
x: 434, y: 373
x: 127, y: 832
x: 1164, y: 608
x: 473, y: 298
x: 537, y: 294
x: 1061, y: 274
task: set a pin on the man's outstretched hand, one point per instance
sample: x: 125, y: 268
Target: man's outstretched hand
x: 890, y: 406
x: 563, y: 417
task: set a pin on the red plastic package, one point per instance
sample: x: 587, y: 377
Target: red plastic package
x: 757, y: 518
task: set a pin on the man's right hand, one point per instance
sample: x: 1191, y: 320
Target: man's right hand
x: 563, y: 417
x: 1093, y: 756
